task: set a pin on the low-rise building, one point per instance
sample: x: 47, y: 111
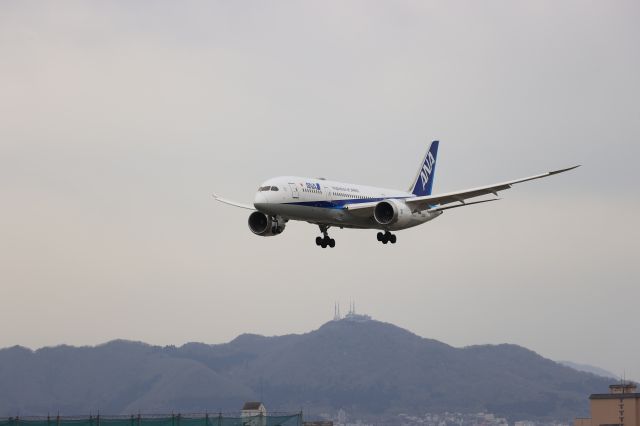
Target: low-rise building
x: 619, y: 407
x: 254, y: 414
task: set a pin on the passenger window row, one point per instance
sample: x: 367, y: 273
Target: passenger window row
x: 316, y: 191
x: 340, y: 194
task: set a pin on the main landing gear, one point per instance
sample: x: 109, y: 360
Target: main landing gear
x: 387, y: 237
x: 325, y: 240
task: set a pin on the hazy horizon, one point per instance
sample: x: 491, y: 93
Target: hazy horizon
x: 119, y: 120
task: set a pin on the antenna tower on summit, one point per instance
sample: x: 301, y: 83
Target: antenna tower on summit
x: 353, y: 316
x: 352, y: 307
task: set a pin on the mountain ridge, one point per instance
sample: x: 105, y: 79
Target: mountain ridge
x: 370, y: 369
x: 590, y: 369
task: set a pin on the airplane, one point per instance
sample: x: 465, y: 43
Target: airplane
x: 328, y: 204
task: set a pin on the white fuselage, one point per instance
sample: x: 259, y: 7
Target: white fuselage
x: 322, y: 201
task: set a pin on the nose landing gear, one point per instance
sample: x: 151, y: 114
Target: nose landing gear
x: 325, y: 241
x: 387, y: 237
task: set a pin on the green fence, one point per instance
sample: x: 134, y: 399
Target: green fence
x: 172, y: 420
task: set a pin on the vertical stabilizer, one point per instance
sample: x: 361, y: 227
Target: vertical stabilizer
x: 423, y: 183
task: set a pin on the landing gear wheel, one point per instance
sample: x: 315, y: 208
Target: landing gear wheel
x: 386, y: 237
x: 325, y: 241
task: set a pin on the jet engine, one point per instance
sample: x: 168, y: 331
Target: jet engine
x: 390, y: 212
x: 264, y: 225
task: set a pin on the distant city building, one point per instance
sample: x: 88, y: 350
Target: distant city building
x: 458, y: 419
x: 254, y: 414
x: 619, y: 407
x: 342, y: 416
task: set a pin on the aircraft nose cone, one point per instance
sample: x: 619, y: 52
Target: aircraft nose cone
x: 260, y: 200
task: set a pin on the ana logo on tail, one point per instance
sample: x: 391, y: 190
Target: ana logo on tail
x: 427, y: 167
x: 423, y: 182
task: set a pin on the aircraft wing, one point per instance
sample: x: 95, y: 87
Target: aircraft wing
x: 233, y: 203
x: 434, y: 203
x: 441, y: 208
x: 430, y: 201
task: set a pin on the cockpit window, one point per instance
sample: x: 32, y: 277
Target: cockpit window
x: 268, y: 188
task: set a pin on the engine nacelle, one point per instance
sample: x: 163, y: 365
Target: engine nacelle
x: 391, y: 212
x: 264, y: 225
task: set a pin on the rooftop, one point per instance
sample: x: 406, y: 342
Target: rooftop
x: 252, y: 405
x: 614, y: 396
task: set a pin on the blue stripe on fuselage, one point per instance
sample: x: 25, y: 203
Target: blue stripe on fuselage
x: 340, y: 204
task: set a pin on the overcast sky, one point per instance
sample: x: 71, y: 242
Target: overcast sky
x: 118, y: 119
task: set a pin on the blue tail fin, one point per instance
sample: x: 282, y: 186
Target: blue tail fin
x: 424, y: 179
